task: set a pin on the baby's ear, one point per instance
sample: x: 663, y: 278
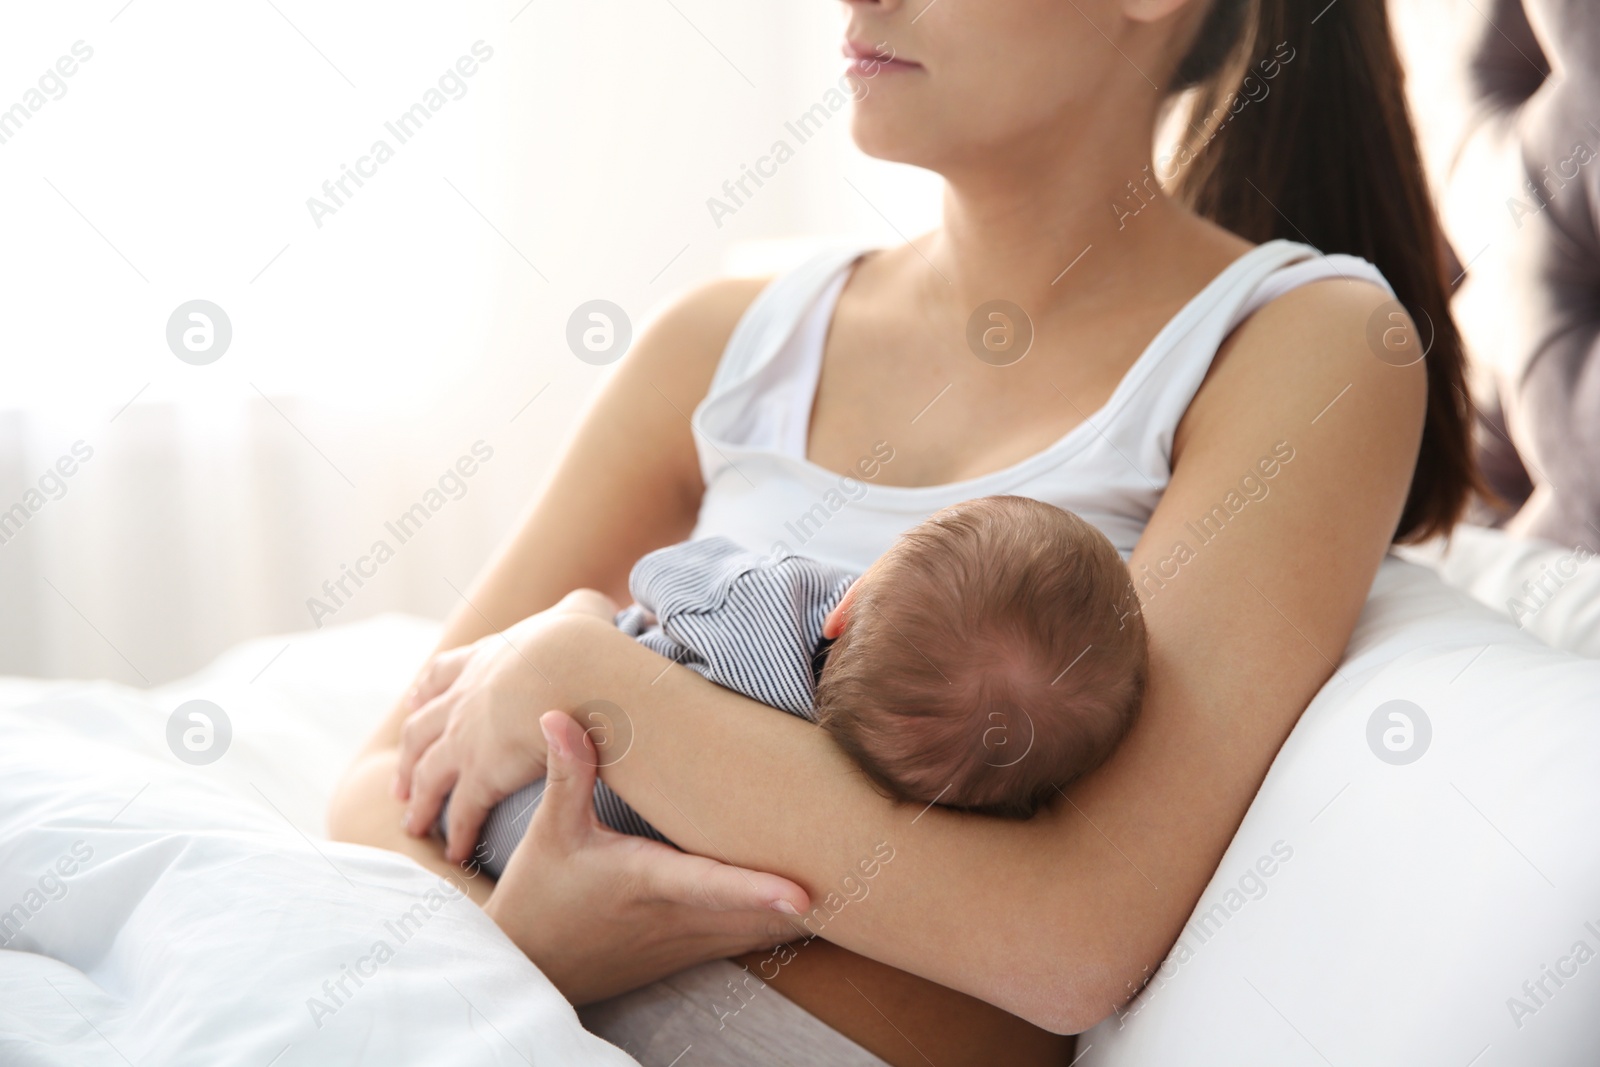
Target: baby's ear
x: 834, y: 622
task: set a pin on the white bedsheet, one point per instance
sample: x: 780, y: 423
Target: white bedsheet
x: 172, y: 914
x: 1551, y: 591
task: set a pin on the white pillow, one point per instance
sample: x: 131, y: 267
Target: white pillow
x: 1550, y: 590
x: 1372, y: 911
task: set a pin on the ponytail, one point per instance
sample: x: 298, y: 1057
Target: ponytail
x: 1327, y: 156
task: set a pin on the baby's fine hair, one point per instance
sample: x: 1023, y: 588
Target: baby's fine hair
x: 995, y: 653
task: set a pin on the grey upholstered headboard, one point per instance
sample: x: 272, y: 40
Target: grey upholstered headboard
x: 1506, y: 95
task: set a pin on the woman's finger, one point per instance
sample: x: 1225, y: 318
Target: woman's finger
x: 440, y: 674
x: 417, y: 734
x: 469, y: 806
x: 436, y: 774
x: 666, y: 874
x: 680, y: 878
x: 566, y: 811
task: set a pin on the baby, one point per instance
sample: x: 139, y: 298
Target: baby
x: 992, y: 655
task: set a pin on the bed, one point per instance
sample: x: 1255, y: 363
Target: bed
x: 175, y: 913
x: 1410, y: 892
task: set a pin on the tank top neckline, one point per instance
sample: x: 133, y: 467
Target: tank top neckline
x: 1072, y: 441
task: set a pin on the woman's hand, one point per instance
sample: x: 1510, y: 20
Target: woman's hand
x: 602, y: 913
x: 473, y: 733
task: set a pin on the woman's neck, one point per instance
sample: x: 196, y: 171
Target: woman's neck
x: 1054, y: 232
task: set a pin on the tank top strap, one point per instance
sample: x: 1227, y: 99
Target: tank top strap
x: 756, y: 397
x: 1316, y: 267
x: 1143, y: 413
x: 771, y: 318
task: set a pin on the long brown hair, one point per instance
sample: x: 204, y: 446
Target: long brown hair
x: 1329, y: 157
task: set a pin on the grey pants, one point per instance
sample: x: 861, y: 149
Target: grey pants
x: 728, y: 1016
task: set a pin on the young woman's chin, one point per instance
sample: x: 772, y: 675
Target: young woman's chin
x: 896, y: 135
x: 918, y: 140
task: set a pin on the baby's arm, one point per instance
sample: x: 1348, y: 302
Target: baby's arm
x: 587, y: 602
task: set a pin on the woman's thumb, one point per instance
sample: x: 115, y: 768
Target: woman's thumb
x: 568, y: 801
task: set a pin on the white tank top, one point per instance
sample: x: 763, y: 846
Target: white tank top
x: 752, y: 427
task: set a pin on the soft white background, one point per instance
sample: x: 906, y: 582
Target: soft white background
x: 374, y: 351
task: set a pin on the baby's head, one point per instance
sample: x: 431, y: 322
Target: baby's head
x: 993, y: 654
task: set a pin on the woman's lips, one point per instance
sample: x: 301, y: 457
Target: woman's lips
x: 870, y: 60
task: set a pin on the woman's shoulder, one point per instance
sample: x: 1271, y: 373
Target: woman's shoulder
x: 709, y: 312
x: 718, y: 306
x: 680, y: 347
x: 1319, y: 343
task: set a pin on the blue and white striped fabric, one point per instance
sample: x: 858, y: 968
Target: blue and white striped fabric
x: 743, y: 620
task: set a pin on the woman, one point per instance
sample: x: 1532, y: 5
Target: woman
x: 1177, y: 372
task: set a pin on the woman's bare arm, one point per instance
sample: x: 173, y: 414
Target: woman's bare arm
x: 1061, y: 918
x: 629, y: 481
